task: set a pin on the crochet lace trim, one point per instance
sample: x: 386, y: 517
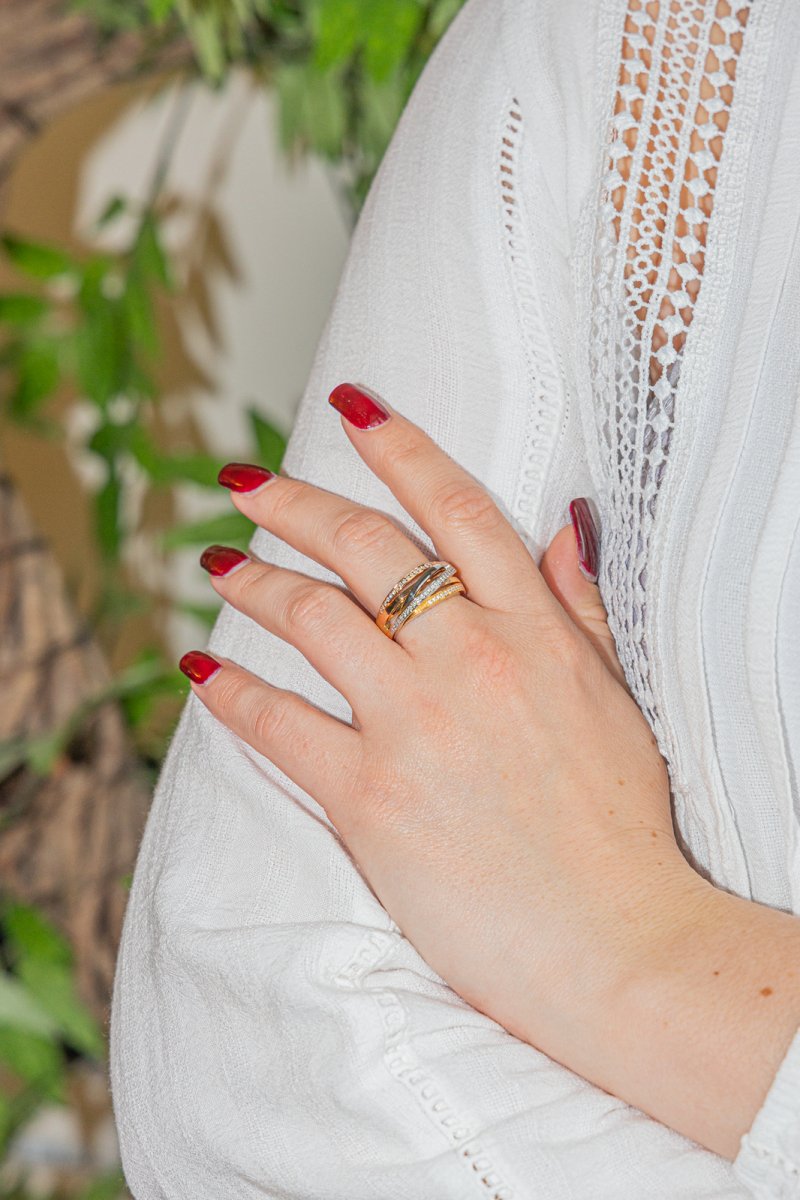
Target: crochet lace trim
x: 675, y: 90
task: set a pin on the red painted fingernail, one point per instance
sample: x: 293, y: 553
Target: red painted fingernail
x: 361, y: 410
x: 587, y: 537
x: 220, y: 560
x: 244, y: 477
x: 199, y: 666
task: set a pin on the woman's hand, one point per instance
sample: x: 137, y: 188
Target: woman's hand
x: 499, y: 788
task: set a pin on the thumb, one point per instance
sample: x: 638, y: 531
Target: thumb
x: 569, y: 567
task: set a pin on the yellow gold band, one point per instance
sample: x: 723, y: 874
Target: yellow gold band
x: 454, y: 588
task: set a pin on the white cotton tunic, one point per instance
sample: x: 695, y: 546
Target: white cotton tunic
x: 559, y: 311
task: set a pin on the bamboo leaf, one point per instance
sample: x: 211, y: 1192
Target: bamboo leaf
x: 107, y: 517
x: 52, y: 988
x: 21, y: 309
x: 391, y: 28
x: 21, y: 1010
x: 149, y: 254
x: 270, y: 441
x: 37, y: 371
x: 30, y: 934
x: 113, y: 209
x: 230, y: 529
x: 35, y: 1059
x: 36, y: 259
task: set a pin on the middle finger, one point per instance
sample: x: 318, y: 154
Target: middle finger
x: 363, y: 546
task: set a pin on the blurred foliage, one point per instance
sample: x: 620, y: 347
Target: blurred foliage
x: 43, y: 1026
x: 83, y: 328
x: 342, y: 69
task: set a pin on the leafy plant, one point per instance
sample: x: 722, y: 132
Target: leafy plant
x: 41, y: 1017
x: 342, y: 69
x: 84, y: 326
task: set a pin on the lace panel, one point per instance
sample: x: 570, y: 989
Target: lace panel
x: 672, y: 105
x: 544, y: 372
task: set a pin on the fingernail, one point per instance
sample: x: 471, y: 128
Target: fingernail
x: 244, y: 477
x: 221, y: 560
x: 199, y: 666
x: 587, y: 537
x: 361, y: 410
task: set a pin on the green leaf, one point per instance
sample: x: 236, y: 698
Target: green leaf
x: 326, y: 114
x: 37, y: 370
x: 106, y: 1187
x: 21, y: 1010
x: 230, y: 529
x: 36, y: 259
x: 113, y: 209
x: 52, y: 986
x: 110, y: 439
x: 197, y: 468
x: 289, y: 82
x: 35, y: 1059
x: 138, y: 305
x: 391, y: 28
x: 340, y: 31
x: 442, y: 14
x: 108, y: 517
x: 21, y: 309
x: 312, y: 110
x: 30, y: 934
x: 380, y: 112
x: 270, y: 441
x: 160, y: 9
x: 149, y: 255
x: 101, y: 351
x: 206, y: 32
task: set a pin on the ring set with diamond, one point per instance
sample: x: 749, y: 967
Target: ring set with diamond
x: 425, y: 586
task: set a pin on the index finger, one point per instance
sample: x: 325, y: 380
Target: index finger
x: 455, y: 509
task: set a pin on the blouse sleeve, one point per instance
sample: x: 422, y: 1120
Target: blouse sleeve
x: 272, y: 1033
x: 768, y: 1162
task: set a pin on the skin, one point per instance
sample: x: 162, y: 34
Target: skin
x: 541, y: 878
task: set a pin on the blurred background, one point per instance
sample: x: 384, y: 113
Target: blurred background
x: 179, y: 180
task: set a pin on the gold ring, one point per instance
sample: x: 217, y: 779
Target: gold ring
x: 418, y: 590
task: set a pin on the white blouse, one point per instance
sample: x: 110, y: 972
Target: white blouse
x: 579, y: 270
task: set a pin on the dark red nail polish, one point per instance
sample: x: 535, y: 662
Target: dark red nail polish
x: 199, y: 666
x: 361, y: 410
x: 587, y: 538
x: 220, y: 560
x: 244, y: 477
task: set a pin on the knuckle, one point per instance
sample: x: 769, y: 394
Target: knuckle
x: 362, y: 530
x: 495, y: 660
x: 310, y: 607
x: 271, y: 720
x: 283, y: 499
x: 566, y: 645
x: 247, y: 583
x: 405, y: 449
x: 465, y: 505
x: 228, y: 692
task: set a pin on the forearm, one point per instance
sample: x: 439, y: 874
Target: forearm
x: 695, y: 1031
